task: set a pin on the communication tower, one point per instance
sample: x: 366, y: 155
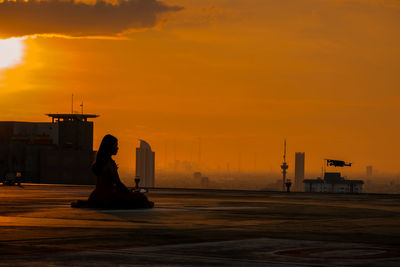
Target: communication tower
x: 284, y: 166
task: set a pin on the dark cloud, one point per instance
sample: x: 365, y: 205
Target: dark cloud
x: 78, y: 19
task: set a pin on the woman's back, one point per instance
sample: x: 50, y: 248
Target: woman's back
x: 106, y: 178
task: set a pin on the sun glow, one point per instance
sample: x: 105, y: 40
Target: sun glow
x: 11, y: 52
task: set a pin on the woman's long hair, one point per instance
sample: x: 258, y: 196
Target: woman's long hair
x: 104, y: 153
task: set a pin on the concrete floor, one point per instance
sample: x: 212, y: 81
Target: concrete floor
x: 199, y: 227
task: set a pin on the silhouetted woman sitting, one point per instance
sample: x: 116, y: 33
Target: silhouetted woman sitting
x: 110, y: 192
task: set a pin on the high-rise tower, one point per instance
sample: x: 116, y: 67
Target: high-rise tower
x: 284, y: 166
x: 145, y: 164
x: 299, y: 171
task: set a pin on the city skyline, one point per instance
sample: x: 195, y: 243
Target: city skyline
x: 323, y: 74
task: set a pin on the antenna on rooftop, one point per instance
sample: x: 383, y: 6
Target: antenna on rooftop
x: 81, y: 107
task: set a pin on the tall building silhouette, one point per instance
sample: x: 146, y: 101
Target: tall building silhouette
x: 57, y: 152
x: 299, y: 171
x: 145, y: 159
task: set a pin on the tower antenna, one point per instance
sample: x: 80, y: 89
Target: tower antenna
x: 284, y: 151
x: 72, y: 104
x: 284, y: 166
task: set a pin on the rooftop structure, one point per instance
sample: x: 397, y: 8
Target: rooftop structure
x: 71, y: 117
x: 333, y: 183
x: 60, y: 151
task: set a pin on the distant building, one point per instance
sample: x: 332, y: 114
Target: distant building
x: 333, y: 183
x: 145, y: 162
x: 204, y: 182
x: 58, y: 152
x: 369, y: 171
x: 197, y: 176
x: 299, y: 171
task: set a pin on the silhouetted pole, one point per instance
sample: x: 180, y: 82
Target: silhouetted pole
x: 284, y: 166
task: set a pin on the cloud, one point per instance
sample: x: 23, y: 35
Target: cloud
x: 72, y: 19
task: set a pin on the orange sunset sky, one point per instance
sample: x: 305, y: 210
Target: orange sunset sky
x: 239, y: 75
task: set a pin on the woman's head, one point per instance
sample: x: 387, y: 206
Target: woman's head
x: 108, y: 147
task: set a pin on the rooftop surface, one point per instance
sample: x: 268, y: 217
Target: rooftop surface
x: 199, y: 227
